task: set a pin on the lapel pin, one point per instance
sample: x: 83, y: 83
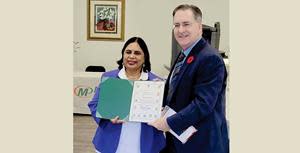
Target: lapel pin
x: 190, y: 59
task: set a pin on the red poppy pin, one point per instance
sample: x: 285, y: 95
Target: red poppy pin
x: 190, y: 59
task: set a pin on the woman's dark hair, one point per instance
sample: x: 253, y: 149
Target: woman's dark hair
x: 142, y: 44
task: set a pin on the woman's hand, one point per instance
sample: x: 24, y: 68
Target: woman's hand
x: 116, y: 120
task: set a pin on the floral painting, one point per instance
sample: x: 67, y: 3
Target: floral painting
x: 106, y: 19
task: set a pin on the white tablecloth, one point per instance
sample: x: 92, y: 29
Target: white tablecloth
x: 84, y: 87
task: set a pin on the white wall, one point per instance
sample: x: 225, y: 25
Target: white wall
x: 149, y: 19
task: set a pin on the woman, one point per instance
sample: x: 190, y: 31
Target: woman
x: 116, y: 136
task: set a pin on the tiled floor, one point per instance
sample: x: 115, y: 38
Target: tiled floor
x: 83, y: 131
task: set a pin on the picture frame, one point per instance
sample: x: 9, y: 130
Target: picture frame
x: 106, y: 20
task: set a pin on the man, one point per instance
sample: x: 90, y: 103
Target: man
x: 195, y: 89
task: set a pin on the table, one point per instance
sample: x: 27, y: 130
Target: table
x: 84, y: 88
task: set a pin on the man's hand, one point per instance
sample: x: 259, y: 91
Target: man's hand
x: 160, y: 124
x: 116, y: 120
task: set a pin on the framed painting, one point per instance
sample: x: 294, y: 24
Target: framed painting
x: 106, y: 19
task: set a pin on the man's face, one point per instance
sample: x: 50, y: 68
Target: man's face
x: 187, y: 30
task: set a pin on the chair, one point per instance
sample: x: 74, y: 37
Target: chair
x: 93, y: 68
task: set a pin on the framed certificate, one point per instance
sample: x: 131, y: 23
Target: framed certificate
x: 136, y: 101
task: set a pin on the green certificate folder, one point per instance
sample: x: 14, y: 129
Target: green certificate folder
x: 136, y: 101
x: 114, y: 98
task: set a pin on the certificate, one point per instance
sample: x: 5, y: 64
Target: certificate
x: 146, y: 101
x: 136, y: 101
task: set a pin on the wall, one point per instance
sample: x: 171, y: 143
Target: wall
x: 149, y: 19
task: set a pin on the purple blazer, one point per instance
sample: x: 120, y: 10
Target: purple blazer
x: 107, y: 136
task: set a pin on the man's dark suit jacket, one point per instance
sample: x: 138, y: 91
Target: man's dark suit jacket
x: 199, y: 99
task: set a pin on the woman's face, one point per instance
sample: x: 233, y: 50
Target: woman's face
x: 133, y: 57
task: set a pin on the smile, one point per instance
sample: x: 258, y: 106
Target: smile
x: 131, y: 62
x: 183, y: 36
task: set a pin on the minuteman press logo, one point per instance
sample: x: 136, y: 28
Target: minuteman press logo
x: 84, y: 91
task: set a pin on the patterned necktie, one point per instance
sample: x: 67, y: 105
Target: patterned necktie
x: 177, y: 67
x: 175, y: 73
